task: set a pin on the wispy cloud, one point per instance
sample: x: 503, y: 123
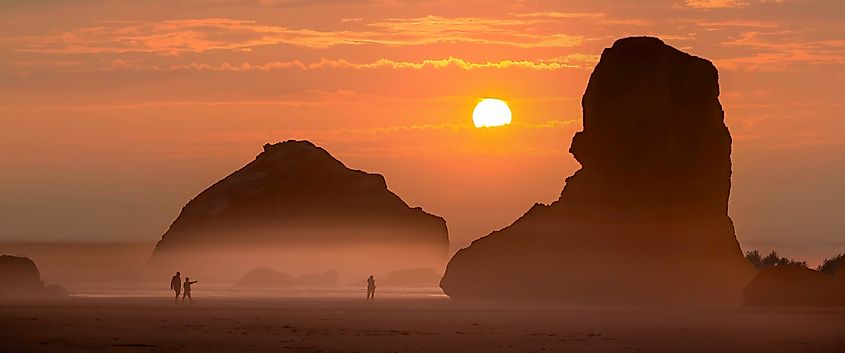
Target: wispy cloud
x: 504, y: 31
x: 779, y: 50
x: 715, y: 4
x: 594, y: 18
x: 572, y: 61
x: 739, y: 23
x: 307, y: 98
x: 200, y: 35
x: 726, y: 4
x: 553, y: 14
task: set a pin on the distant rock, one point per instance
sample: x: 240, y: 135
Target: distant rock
x: 793, y: 286
x: 323, y: 279
x: 295, y: 195
x: 414, y: 277
x: 840, y: 272
x: 263, y: 277
x: 19, y: 277
x: 831, y: 265
x: 645, y: 220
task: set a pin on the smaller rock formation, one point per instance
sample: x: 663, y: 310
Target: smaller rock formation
x: 323, y: 279
x: 840, y: 272
x: 264, y: 277
x: 19, y: 277
x: 414, y: 277
x: 793, y: 286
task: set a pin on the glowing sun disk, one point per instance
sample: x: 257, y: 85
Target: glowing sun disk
x: 491, y: 112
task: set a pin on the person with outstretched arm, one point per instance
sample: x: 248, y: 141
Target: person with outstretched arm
x: 187, y: 294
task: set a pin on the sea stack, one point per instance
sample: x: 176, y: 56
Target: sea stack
x: 645, y: 220
x: 296, y: 206
x: 793, y: 286
x: 19, y: 277
x: 840, y: 272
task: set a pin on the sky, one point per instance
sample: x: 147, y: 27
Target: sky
x: 114, y: 114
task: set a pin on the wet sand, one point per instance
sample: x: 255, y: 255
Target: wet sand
x: 400, y: 325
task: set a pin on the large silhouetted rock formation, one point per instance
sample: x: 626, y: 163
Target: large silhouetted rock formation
x: 644, y: 221
x: 19, y: 277
x: 794, y: 286
x: 295, y: 196
x: 840, y: 272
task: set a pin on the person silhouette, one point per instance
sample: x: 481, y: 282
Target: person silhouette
x: 187, y: 294
x: 371, y: 288
x: 176, y: 286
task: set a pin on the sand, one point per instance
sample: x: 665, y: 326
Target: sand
x: 400, y: 325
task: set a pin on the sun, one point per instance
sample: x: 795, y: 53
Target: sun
x: 491, y: 112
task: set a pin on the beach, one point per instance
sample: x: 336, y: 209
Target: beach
x: 399, y: 324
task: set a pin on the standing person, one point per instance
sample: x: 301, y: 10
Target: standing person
x: 176, y: 286
x: 187, y: 294
x: 371, y: 288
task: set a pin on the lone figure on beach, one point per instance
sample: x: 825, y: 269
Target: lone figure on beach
x: 176, y: 286
x: 187, y: 294
x: 371, y: 288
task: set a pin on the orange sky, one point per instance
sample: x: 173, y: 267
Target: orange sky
x: 113, y: 114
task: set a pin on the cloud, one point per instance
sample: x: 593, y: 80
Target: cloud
x: 563, y: 63
x: 306, y: 98
x: 199, y: 35
x: 594, y: 17
x: 780, y: 50
x: 715, y: 4
x: 562, y: 14
x: 736, y: 23
x: 726, y: 4
x: 572, y: 61
x: 276, y: 3
x: 436, y: 29
x: 47, y: 63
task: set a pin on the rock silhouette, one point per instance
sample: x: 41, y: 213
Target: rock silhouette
x: 322, y: 279
x: 796, y: 286
x: 296, y: 195
x: 644, y: 221
x: 19, y: 277
x: 263, y: 277
x: 832, y: 265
